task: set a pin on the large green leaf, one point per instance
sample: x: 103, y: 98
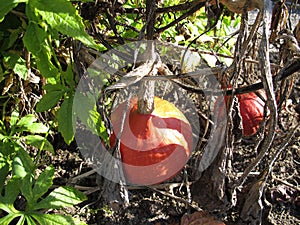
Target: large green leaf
x: 26, y: 120
x: 65, y: 122
x: 51, y: 98
x: 85, y: 109
x: 6, y: 220
x: 12, y: 190
x: 22, y: 164
x: 35, y: 40
x: 37, y: 128
x: 7, y: 5
x: 61, y: 197
x: 26, y: 190
x: 56, y: 219
x: 39, y: 142
x: 43, y: 182
x: 62, y: 16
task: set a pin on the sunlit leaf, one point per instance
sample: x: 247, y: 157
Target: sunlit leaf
x: 49, y: 100
x: 22, y: 164
x: 37, y: 128
x: 7, y: 5
x: 43, y: 182
x: 35, y: 40
x: 64, y: 117
x: 61, y: 197
x: 26, y: 120
x: 39, y: 142
x: 64, y: 18
x: 56, y: 219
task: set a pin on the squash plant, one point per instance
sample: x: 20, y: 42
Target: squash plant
x: 30, y: 32
x: 18, y: 176
x: 39, y: 27
x: 34, y: 190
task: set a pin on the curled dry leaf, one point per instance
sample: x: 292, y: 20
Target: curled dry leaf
x: 200, y: 218
x: 285, y: 194
x: 237, y: 6
x: 280, y: 15
x: 290, y: 41
x: 296, y: 31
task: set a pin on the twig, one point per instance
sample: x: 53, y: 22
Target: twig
x: 157, y: 186
x: 192, y: 10
x: 265, y: 144
x: 81, y: 176
x: 287, y: 184
x: 194, y: 205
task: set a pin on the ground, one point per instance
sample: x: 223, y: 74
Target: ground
x: 158, y: 207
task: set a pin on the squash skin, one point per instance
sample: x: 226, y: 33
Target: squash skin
x: 251, y: 110
x: 154, y: 147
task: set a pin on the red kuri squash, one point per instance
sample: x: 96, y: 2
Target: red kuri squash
x: 154, y: 147
x: 251, y: 109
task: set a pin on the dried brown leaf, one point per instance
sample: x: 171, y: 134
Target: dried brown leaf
x: 200, y: 218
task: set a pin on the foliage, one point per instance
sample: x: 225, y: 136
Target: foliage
x: 37, y: 39
x: 30, y: 33
x: 40, y: 25
x: 35, y: 193
x: 17, y: 176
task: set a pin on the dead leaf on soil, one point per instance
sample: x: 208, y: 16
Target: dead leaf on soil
x: 200, y: 218
x: 285, y: 194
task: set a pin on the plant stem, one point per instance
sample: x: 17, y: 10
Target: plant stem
x: 146, y: 93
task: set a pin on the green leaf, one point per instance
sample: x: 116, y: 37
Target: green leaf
x: 65, y: 123
x: 26, y: 190
x: 12, y: 190
x: 43, y: 182
x: 22, y: 164
x: 6, y: 220
x: 84, y: 108
x: 39, y: 142
x: 30, y: 220
x: 37, y: 128
x: 55, y: 219
x: 50, y: 99
x: 35, y: 40
x: 17, y: 64
x: 8, y: 148
x: 7, y: 5
x: 68, y: 75
x: 4, y: 169
x: 21, y: 220
x: 14, y: 117
x: 61, y: 197
x: 26, y: 121
x: 64, y: 18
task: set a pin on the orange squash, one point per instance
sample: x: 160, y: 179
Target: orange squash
x: 154, y: 147
x: 251, y: 109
